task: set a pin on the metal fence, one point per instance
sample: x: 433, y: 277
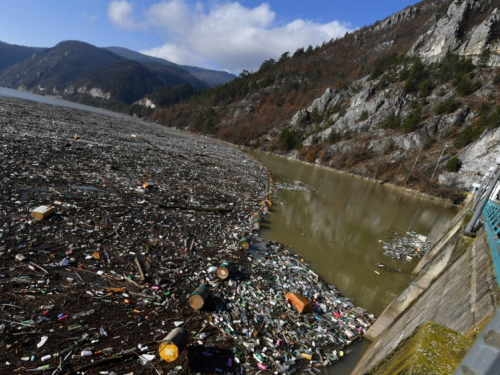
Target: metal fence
x: 491, y: 217
x: 484, y: 356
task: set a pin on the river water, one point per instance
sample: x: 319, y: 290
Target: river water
x: 15, y: 94
x: 336, y: 222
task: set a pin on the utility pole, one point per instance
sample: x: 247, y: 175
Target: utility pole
x: 439, y: 160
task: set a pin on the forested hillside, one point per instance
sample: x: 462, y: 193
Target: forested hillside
x: 398, y: 101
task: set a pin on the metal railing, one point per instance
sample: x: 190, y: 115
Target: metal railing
x: 491, y: 217
x: 484, y: 356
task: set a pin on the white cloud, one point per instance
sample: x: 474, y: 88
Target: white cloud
x: 119, y: 12
x: 223, y: 35
x: 177, y: 54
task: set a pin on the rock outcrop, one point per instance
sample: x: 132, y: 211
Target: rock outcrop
x: 362, y: 110
x: 448, y: 35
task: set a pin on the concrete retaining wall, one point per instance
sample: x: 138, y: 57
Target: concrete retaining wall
x: 456, y: 288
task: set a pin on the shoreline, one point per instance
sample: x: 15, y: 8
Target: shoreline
x: 446, y: 202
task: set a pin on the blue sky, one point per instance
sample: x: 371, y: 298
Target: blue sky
x: 226, y: 35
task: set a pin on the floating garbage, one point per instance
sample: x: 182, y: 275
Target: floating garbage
x: 411, y: 246
x: 172, y: 345
x: 42, y: 212
x: 244, y: 244
x: 112, y: 273
x: 300, y: 302
x: 225, y: 269
x: 43, y: 340
x: 199, y: 297
x: 295, y: 186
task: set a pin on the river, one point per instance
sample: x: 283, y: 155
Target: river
x: 336, y: 221
x: 15, y: 94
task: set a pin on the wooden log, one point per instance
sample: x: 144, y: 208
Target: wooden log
x: 198, y: 298
x: 224, y: 270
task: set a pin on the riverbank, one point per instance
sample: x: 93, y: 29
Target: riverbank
x: 445, y: 201
x: 136, y: 217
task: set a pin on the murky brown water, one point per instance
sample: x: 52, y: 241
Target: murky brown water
x: 335, y: 221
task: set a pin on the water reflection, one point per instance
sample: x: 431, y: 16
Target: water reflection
x: 338, y: 223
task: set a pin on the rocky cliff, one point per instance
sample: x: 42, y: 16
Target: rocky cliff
x: 410, y: 113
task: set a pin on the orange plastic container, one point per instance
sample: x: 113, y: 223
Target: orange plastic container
x: 300, y: 302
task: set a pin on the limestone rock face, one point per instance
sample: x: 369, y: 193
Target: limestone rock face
x: 98, y: 93
x: 406, y: 13
x: 476, y: 159
x: 299, y: 118
x: 450, y: 34
x: 320, y: 104
x: 148, y: 103
x: 443, y: 36
x: 481, y: 35
x: 371, y: 121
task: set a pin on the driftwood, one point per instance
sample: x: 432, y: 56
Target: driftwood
x: 101, y: 362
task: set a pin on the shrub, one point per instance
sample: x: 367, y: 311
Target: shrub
x: 364, y: 116
x: 428, y: 143
x: 315, y: 115
x: 467, y: 135
x: 425, y: 88
x: 453, y: 66
x: 389, y: 146
x: 489, y: 119
x: 382, y: 82
x: 485, y: 56
x: 404, y: 74
x: 496, y: 79
x: 391, y: 121
x: 334, y: 136
x: 416, y: 75
x: 336, y: 108
x: 449, y: 105
x: 412, y: 121
x: 453, y: 165
x: 465, y: 85
x: 383, y: 65
x: 289, y: 140
x: 484, y: 108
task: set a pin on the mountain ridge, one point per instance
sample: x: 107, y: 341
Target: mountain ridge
x: 211, y: 77
x: 11, y: 54
x: 66, y: 70
x: 399, y: 101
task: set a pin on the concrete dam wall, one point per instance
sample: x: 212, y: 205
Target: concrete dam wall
x: 455, y: 286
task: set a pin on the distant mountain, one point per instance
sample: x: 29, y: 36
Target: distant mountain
x: 174, y: 75
x: 52, y: 69
x: 82, y: 72
x: 126, y: 81
x: 11, y: 54
x: 211, y: 77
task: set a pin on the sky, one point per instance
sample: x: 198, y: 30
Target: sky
x: 213, y: 34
